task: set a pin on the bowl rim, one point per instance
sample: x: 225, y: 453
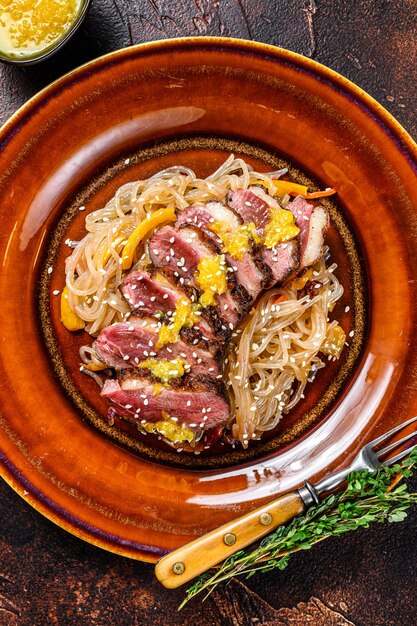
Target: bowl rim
x: 391, y: 125
x: 403, y: 141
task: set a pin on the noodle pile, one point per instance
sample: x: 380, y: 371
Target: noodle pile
x: 275, y: 350
x: 276, y: 353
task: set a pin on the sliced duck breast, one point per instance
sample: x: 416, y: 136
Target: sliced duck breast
x: 247, y: 272
x: 313, y: 222
x: 197, y: 402
x: 181, y: 250
x: 250, y: 207
x: 283, y: 260
x: 126, y: 344
x: 148, y: 294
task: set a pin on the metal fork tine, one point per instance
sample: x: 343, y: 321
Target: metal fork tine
x: 398, y: 457
x: 391, y: 432
x: 396, y: 444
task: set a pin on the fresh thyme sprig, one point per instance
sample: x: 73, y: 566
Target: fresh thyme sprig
x: 368, y: 497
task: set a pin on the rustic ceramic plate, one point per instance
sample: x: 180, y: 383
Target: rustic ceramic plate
x: 127, y: 115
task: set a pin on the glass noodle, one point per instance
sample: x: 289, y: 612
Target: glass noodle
x: 275, y: 350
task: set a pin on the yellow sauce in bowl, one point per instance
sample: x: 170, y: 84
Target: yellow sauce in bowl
x: 29, y: 28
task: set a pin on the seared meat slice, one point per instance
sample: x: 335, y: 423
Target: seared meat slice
x: 250, y: 206
x: 148, y: 294
x: 284, y: 261
x: 181, y: 251
x: 251, y: 275
x: 313, y: 222
x: 200, y: 215
x: 247, y: 272
x: 198, y: 402
x: 125, y: 344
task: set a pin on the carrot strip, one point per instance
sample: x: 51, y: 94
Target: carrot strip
x: 95, y: 367
x: 280, y: 298
x: 319, y: 194
x: 145, y: 227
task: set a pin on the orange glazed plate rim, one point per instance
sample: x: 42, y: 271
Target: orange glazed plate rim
x: 146, y: 535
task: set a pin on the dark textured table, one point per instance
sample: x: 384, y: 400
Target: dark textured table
x: 367, y: 578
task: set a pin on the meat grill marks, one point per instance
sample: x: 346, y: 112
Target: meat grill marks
x: 197, y: 402
x: 126, y: 344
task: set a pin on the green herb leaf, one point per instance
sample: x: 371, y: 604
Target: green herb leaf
x: 366, y: 499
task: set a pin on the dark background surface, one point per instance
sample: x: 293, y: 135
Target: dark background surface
x: 367, y: 578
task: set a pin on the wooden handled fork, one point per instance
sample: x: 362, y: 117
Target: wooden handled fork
x: 181, y: 565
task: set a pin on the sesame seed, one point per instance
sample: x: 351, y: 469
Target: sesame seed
x: 352, y: 332
x: 126, y: 357
x: 347, y: 309
x: 146, y: 402
x: 50, y: 269
x: 82, y: 208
